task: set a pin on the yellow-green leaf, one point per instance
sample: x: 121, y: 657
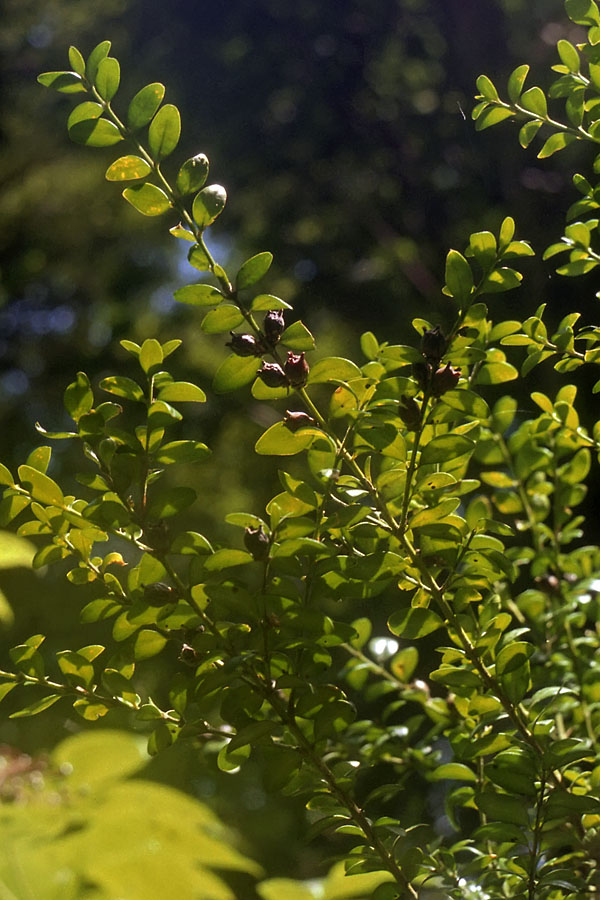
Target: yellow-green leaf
x: 127, y: 168
x: 148, y: 199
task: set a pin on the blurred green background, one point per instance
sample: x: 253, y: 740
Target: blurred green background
x: 342, y: 133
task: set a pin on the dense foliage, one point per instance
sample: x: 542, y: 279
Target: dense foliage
x: 415, y: 489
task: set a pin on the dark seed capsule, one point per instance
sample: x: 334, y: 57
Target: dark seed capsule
x: 445, y: 379
x: 273, y: 326
x: 296, y: 369
x: 295, y: 420
x: 245, y: 345
x: 257, y: 542
x: 188, y: 655
x: 272, y: 375
x: 433, y: 345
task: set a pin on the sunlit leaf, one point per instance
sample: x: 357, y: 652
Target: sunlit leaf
x: 414, y: 622
x: 128, y: 168
x: 144, y: 105
x: 147, y: 199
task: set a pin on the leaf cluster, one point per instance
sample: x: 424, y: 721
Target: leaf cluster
x: 420, y: 488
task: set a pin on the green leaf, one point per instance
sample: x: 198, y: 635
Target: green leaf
x: 260, y: 391
x: 90, y: 710
x: 517, y: 249
x: 95, y: 133
x: 265, y: 302
x: 298, y: 337
x: 148, y: 199
x: 555, y: 143
x: 583, y: 12
x: 434, y: 513
x: 534, y: 100
x: 181, y: 452
x: 577, y: 267
x: 502, y: 807
x: 76, y: 60
x: 75, y: 667
x: 78, y: 397
x: 568, y: 55
x: 84, y: 111
x: 484, y: 247
x: 162, y: 415
x: 99, y: 610
x: 234, y: 372
x: 513, y: 656
x: 454, y: 771
x: 369, y: 345
x: 568, y: 750
x: 404, y: 663
x: 144, y: 105
x: 333, y: 368
x: 516, y: 682
x: 147, y: 643
x: 171, y: 346
x: 502, y: 279
x: 121, y: 386
x: 497, y: 372
x: 278, y: 440
x: 459, y: 278
x: 562, y: 805
x: 65, y: 82
x: 516, y: 82
x: 445, y: 447
x: 99, y: 53
x: 164, y: 132
x: 528, y: 132
x: 253, y: 270
x: 486, y: 88
x: 230, y: 762
x: 6, y: 688
x: 5, y: 475
x: 208, y: 204
x: 225, y: 559
x: 182, y: 392
x: 198, y: 295
x: 199, y: 259
x: 131, y: 347
x: 108, y: 77
x: 41, y: 487
x: 11, y: 506
x: 151, y: 354
x: 468, y: 402
x: 178, y: 231
x: 192, y: 175
x: 26, y: 658
x: 128, y: 168
x: 34, y: 708
x: 225, y: 317
x: 492, y: 116
x: 414, y: 622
